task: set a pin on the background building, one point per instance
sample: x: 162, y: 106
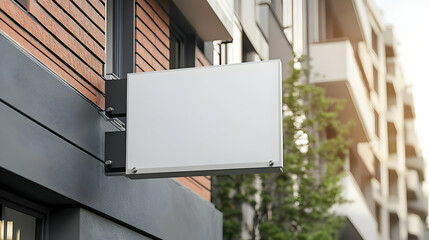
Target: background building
x: 353, y: 56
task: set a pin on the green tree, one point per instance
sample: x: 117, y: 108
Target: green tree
x: 297, y: 203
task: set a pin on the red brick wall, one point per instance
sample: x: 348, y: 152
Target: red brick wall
x: 66, y: 36
x: 152, y: 36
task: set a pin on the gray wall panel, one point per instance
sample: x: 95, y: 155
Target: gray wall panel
x: 161, y: 207
x: 81, y: 224
x: 95, y: 227
x: 65, y: 224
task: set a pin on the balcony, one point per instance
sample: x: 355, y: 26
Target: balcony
x: 392, y: 87
x: 390, y: 42
x: 392, y: 115
x: 212, y: 20
x: 411, y: 141
x: 419, y: 206
x: 393, y: 201
x: 393, y: 204
x: 409, y: 112
x: 417, y: 164
x: 392, y: 163
x: 358, y: 212
x: 416, y: 227
x: 413, y: 185
x: 342, y: 79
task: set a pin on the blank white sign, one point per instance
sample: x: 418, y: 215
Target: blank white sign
x: 204, y: 121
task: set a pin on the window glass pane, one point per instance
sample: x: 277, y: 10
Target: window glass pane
x: 22, y: 3
x: 176, y: 52
x: 17, y: 225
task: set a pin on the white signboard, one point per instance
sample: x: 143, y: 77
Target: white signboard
x: 205, y: 121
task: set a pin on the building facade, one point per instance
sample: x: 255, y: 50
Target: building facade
x: 57, y: 55
x: 385, y: 168
x: 55, y: 58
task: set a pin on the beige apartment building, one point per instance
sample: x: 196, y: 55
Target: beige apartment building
x: 353, y: 55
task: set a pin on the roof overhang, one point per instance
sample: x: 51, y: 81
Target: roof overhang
x: 210, y: 18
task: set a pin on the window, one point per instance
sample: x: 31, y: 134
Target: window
x: 249, y: 53
x: 19, y: 222
x: 375, y: 79
x: 377, y: 124
x: 119, y: 39
x: 177, y: 48
x: 183, y: 40
x: 23, y: 4
x: 374, y: 41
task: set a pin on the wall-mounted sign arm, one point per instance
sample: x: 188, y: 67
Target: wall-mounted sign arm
x: 116, y: 98
x: 114, y: 153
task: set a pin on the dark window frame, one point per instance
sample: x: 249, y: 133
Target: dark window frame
x: 177, y: 36
x: 120, y: 39
x: 377, y: 123
x: 22, y: 3
x: 27, y: 207
x: 180, y: 26
x: 374, y: 41
x: 375, y: 79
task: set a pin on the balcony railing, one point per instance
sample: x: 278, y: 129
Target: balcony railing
x: 413, y: 185
x: 341, y: 78
x: 393, y: 163
x: 419, y: 206
x: 392, y: 114
x: 418, y: 164
x: 357, y: 211
x: 416, y: 226
x: 411, y: 141
x: 409, y: 111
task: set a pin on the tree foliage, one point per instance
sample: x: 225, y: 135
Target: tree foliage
x: 297, y: 203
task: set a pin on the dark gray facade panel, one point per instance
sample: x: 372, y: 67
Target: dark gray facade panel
x: 35, y: 144
x: 27, y: 86
x: 80, y: 224
x: 65, y: 224
x: 93, y: 226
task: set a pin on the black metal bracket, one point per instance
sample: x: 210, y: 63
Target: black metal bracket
x: 116, y: 98
x: 114, y: 147
x: 114, y: 153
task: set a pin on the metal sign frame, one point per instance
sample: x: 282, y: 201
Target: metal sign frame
x: 120, y: 145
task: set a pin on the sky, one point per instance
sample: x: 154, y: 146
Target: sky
x: 410, y: 19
